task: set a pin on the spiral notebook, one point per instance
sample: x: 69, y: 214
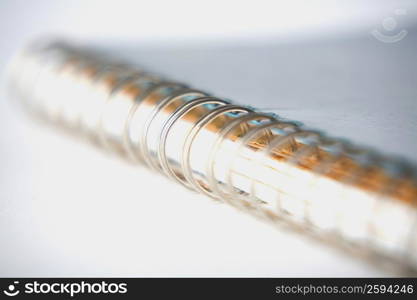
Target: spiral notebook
x: 252, y: 157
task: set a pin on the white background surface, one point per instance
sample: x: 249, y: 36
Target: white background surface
x: 68, y: 210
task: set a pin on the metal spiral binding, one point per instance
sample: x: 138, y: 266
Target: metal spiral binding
x: 179, y: 96
x: 166, y: 127
x: 273, y: 168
